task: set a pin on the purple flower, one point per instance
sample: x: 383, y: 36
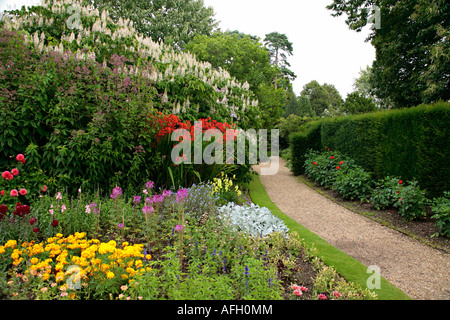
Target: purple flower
x: 150, y: 185
x: 182, y: 194
x: 120, y: 225
x: 137, y: 199
x: 147, y: 209
x: 246, y: 271
x: 157, y: 198
x: 116, y: 192
x: 166, y: 193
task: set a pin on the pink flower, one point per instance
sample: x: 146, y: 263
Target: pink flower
x: 23, y: 192
x: 20, y: 158
x: 14, y: 193
x: 147, y: 209
x: 7, y: 175
x: 337, y: 294
x: 295, y: 287
x: 45, y: 188
x: 298, y: 292
x: 15, y: 172
x: 58, y: 196
x: 179, y: 227
x: 51, y: 211
x: 322, y: 296
x: 63, y: 208
x: 303, y: 289
x: 2, y: 193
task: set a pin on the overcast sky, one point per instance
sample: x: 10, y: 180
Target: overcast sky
x: 325, y: 49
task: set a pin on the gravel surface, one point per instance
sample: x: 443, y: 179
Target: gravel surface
x: 420, y: 271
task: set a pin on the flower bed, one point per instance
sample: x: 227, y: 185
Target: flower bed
x: 160, y: 244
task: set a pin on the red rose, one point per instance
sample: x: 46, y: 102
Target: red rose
x: 337, y: 168
x: 20, y: 158
x: 2, y: 193
x: 15, y: 172
x: 400, y: 182
x: 33, y: 221
x: 7, y: 175
x: 314, y: 163
x: 36, y: 230
x: 55, y: 223
x: 342, y: 162
x: 332, y: 157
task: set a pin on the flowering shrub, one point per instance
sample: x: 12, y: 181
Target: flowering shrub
x: 409, y: 199
x: 354, y: 183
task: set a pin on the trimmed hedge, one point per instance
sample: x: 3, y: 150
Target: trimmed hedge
x: 408, y: 143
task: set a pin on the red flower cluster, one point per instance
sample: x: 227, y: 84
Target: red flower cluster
x: 21, y: 210
x: 167, y: 124
x: 3, y: 211
x: 7, y: 175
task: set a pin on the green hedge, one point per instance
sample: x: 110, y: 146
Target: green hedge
x: 301, y: 142
x: 408, y: 143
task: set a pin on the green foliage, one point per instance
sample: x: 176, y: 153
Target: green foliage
x: 440, y: 207
x: 411, y: 143
x: 409, y: 199
x: 289, y: 125
x: 175, y: 22
x: 308, y: 137
x: 356, y: 104
x: 412, y: 54
x: 325, y: 100
x: 353, y: 183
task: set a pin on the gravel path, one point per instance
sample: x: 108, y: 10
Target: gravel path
x: 420, y: 271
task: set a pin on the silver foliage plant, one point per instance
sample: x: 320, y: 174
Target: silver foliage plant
x: 252, y: 219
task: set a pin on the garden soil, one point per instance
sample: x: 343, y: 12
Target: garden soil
x: 419, y: 270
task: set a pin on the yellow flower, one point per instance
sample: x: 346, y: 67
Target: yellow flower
x: 110, y: 275
x: 34, y: 260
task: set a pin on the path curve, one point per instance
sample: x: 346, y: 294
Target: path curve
x: 420, y: 271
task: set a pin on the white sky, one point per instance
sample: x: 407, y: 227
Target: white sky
x: 325, y: 49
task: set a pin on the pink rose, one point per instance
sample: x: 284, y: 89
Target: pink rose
x: 23, y: 192
x: 15, y: 172
x: 14, y: 193
x: 20, y: 158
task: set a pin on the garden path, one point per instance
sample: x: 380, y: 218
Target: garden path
x: 420, y: 271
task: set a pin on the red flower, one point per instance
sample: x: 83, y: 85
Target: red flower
x: 15, y: 172
x: 342, y: 162
x: 23, y: 192
x: 7, y: 175
x: 400, y: 182
x: 33, y: 221
x: 14, y: 193
x: 45, y: 188
x: 20, y: 158
x: 2, y: 193
x: 337, y: 168
x: 36, y: 230
x: 332, y: 157
x: 55, y: 223
x: 314, y: 163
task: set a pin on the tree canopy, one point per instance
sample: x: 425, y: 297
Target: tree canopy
x: 412, y: 45
x: 175, y: 22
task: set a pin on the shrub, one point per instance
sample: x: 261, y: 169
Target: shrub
x: 440, y: 207
x: 409, y: 199
x: 354, y: 183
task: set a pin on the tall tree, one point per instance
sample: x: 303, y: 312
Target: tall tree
x: 175, y: 22
x: 279, y: 47
x: 242, y: 55
x: 325, y: 99
x: 412, y: 45
x: 356, y: 103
